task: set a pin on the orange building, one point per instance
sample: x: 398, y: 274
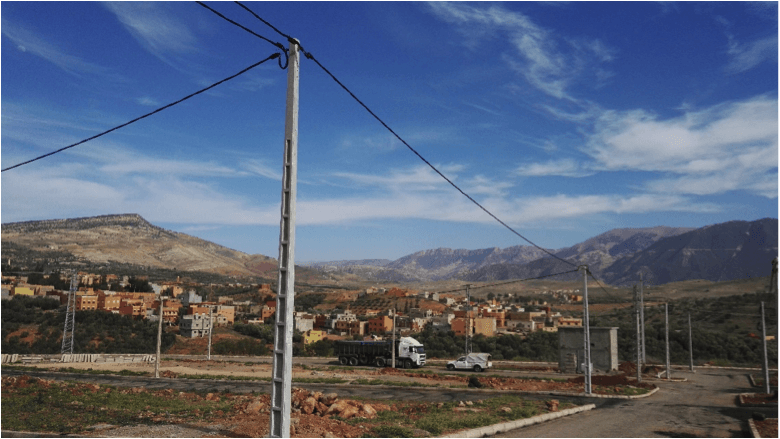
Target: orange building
x: 500, y: 317
x: 132, y: 307
x: 108, y: 302
x: 459, y: 326
x: 485, y: 326
x: 86, y: 303
x: 228, y: 312
x: 380, y: 325
x: 197, y: 309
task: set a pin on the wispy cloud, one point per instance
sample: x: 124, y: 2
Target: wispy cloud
x: 549, y: 63
x: 744, y: 57
x: 147, y: 101
x: 562, y: 167
x: 158, y: 31
x: 261, y: 168
x: 28, y: 41
x: 735, y: 141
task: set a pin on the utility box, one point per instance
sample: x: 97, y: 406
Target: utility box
x: 603, y: 349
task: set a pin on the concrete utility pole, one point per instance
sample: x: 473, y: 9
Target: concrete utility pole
x: 668, y: 366
x: 281, y: 379
x: 638, y: 339
x: 159, y: 341
x: 586, y: 330
x: 393, y: 347
x: 767, y: 388
x: 773, y: 285
x: 642, y: 316
x: 468, y: 317
x: 211, y: 328
x: 690, y: 340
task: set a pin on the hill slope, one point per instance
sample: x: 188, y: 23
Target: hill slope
x: 130, y: 239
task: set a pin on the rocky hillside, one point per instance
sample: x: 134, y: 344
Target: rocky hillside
x: 131, y: 239
x: 726, y: 251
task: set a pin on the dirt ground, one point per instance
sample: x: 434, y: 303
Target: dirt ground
x: 184, y: 367
x: 767, y: 427
x: 314, y: 414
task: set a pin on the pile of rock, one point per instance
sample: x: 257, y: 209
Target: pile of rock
x: 320, y: 404
x: 329, y: 404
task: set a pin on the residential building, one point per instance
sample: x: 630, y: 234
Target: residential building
x: 485, y: 326
x: 313, y: 336
x: 22, y: 291
x: 380, y: 325
x: 86, y: 303
x: 108, y: 302
x: 194, y: 325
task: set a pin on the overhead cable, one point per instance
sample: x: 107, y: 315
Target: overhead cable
x: 476, y: 287
x: 311, y: 57
x: 275, y: 55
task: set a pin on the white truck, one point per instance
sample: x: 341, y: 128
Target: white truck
x: 475, y: 362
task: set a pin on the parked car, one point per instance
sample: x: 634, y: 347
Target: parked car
x: 475, y: 362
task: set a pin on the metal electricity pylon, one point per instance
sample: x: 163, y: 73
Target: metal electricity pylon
x: 70, y: 316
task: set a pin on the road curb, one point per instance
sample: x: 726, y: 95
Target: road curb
x: 741, y: 401
x: 506, y: 426
x: 753, y: 429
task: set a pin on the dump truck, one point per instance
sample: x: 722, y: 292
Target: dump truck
x: 409, y: 353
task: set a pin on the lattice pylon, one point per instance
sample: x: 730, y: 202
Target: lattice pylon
x: 70, y: 316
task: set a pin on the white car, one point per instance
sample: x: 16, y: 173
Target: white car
x: 475, y: 362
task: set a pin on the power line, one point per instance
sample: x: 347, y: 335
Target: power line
x: 277, y: 44
x: 311, y: 57
x: 604, y: 289
x: 507, y: 282
x: 275, y: 55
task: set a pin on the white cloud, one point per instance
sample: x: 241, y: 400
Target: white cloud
x: 418, y: 178
x: 547, y: 62
x: 735, y: 142
x: 147, y: 101
x: 562, y: 167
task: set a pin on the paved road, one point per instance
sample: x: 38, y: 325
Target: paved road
x: 374, y: 392
x: 703, y: 406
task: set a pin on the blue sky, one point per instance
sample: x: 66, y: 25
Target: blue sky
x: 565, y: 120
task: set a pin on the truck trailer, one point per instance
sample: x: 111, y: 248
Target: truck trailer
x: 409, y: 353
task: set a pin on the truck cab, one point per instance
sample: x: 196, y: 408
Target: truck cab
x: 411, y: 353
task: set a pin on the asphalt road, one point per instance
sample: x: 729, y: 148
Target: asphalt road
x: 703, y: 406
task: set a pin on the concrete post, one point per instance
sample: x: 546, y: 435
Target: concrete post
x: 211, y: 328
x: 642, y: 316
x: 690, y: 340
x: 767, y: 388
x: 586, y: 329
x: 668, y: 365
x: 159, y: 340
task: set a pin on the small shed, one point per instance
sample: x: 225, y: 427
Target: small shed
x: 603, y: 349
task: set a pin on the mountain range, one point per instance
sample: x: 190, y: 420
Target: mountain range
x: 726, y: 251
